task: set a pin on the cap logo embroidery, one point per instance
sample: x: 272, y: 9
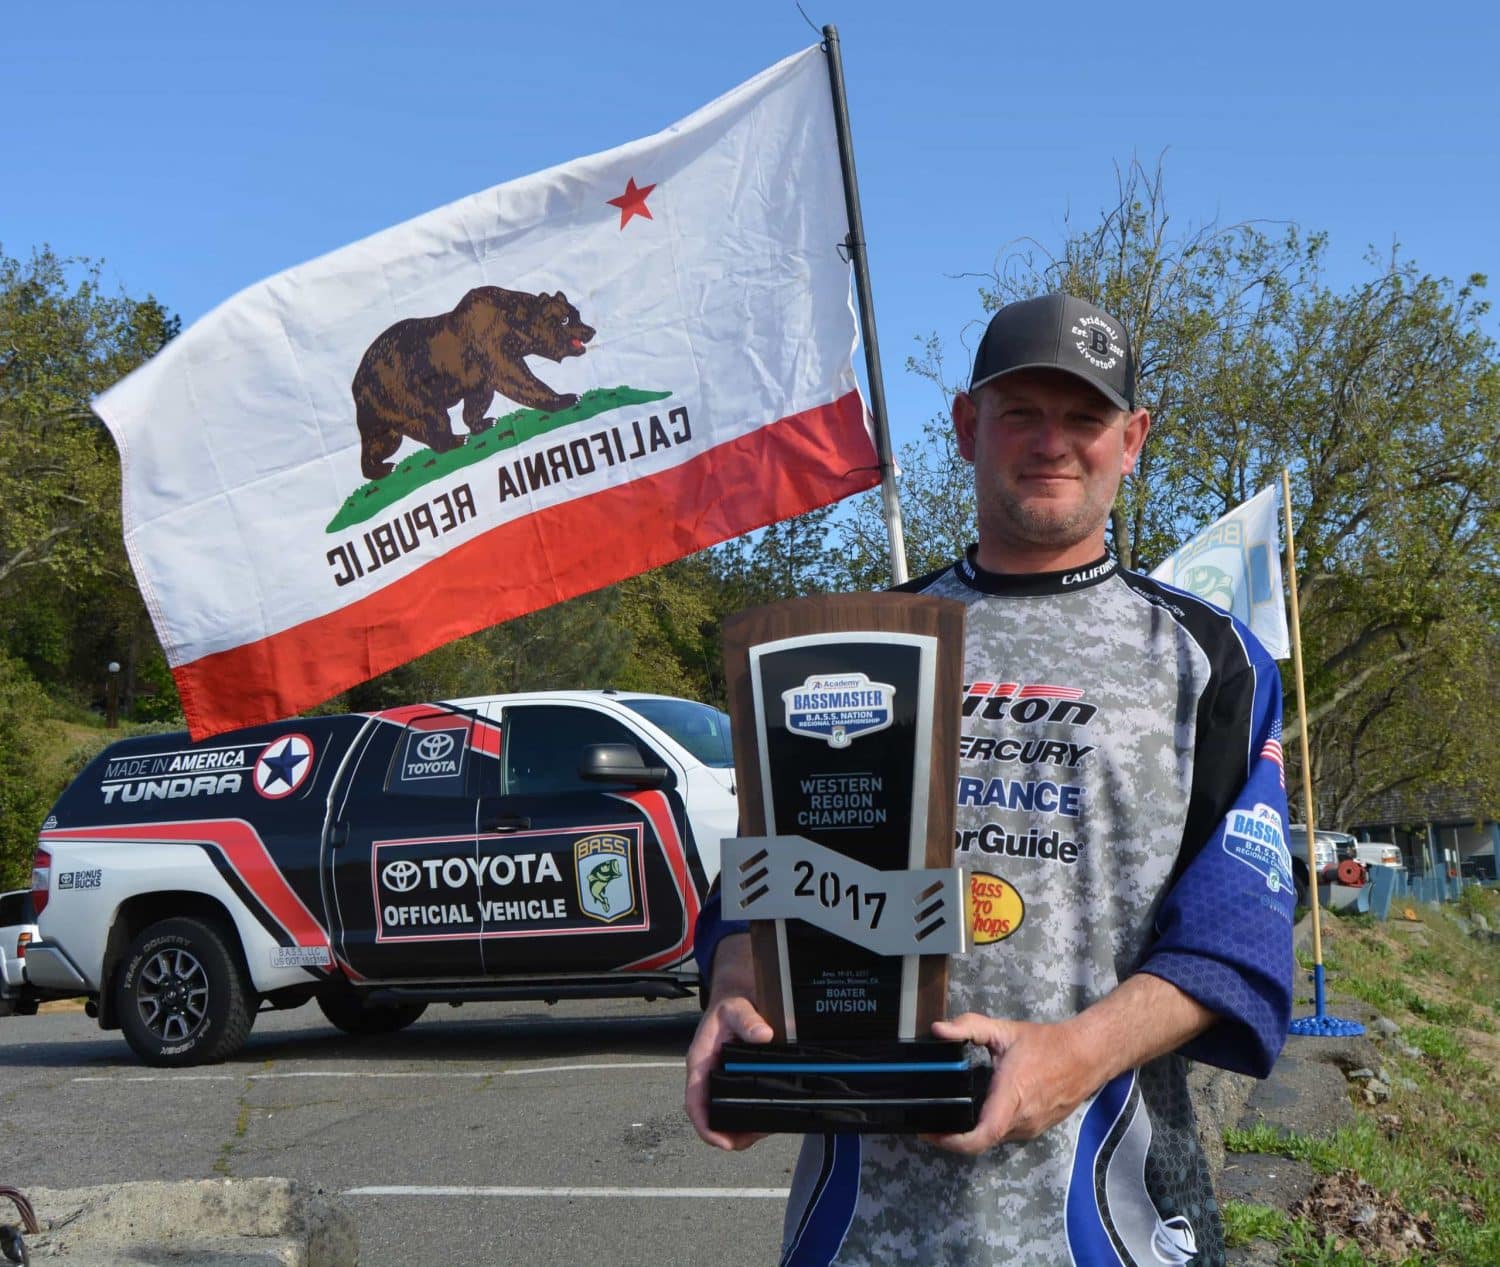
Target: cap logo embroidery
x: 1098, y: 344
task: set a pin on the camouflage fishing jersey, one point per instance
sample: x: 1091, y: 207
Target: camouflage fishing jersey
x: 1121, y: 808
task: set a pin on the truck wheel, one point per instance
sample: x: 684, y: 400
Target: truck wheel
x: 344, y: 1008
x: 181, y: 995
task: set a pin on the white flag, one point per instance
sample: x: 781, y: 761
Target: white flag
x: 1234, y: 564
x: 527, y: 395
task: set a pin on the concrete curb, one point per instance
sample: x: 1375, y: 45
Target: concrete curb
x: 208, y: 1223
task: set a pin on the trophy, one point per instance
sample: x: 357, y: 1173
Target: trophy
x: 845, y: 721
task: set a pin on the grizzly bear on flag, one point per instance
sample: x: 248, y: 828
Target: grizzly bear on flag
x: 418, y: 369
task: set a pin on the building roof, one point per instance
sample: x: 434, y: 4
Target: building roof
x: 1420, y: 805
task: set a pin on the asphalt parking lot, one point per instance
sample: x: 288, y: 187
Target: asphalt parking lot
x: 491, y: 1134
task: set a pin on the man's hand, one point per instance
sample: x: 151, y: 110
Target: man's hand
x: 1045, y: 1071
x: 729, y: 1017
x: 1040, y: 1077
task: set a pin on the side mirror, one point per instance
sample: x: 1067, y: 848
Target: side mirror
x: 620, y: 763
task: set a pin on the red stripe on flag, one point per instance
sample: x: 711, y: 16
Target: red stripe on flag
x: 776, y: 471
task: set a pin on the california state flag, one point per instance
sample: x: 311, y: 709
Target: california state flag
x: 526, y: 395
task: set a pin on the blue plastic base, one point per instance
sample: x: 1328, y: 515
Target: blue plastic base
x: 1321, y: 1025
x: 1324, y: 1027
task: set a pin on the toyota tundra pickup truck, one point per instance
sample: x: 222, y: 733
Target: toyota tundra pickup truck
x: 536, y: 846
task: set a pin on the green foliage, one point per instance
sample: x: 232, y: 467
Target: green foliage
x: 1244, y: 1222
x: 25, y: 797
x: 1474, y: 899
x: 68, y: 602
x: 937, y: 510
x: 1435, y: 1149
x: 787, y: 560
x: 1306, y: 1249
x: 1457, y: 1012
x: 1437, y: 1042
x: 1261, y: 1138
x: 672, y: 617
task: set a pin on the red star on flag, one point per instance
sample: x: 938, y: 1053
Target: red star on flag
x: 632, y: 202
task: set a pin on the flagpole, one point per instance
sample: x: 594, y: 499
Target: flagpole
x: 1307, y: 797
x: 1320, y: 1023
x: 855, y: 243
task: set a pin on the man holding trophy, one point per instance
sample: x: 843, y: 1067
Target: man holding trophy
x: 1119, y: 816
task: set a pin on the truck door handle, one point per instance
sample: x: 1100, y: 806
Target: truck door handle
x: 507, y: 824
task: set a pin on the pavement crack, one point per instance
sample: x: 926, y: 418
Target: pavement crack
x: 221, y: 1164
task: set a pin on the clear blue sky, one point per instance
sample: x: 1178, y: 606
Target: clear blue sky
x: 199, y: 147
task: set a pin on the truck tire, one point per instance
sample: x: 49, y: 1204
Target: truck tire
x: 182, y: 996
x: 346, y: 1010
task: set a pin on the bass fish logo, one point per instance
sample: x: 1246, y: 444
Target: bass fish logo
x: 606, y: 889
x: 995, y: 908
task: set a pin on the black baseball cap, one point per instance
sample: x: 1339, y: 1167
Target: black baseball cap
x: 1063, y: 333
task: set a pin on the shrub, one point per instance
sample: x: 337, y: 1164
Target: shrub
x: 24, y: 795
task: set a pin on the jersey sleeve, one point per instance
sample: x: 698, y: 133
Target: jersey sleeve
x: 1224, y: 928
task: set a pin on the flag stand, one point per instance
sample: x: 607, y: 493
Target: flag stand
x: 854, y: 242
x: 1320, y: 1024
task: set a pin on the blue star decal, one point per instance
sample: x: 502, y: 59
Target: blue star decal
x: 283, y: 765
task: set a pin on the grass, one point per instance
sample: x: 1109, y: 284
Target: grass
x: 1436, y: 1150
x: 1244, y: 1223
x: 60, y: 739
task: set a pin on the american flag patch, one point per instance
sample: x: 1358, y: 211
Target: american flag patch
x: 1014, y: 690
x: 1271, y: 751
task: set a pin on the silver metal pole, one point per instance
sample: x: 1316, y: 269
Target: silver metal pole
x: 855, y: 242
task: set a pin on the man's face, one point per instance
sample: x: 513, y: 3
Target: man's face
x: 1048, y: 452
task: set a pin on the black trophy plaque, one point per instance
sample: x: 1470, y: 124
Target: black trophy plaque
x: 845, y: 721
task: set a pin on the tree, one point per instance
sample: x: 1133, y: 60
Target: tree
x: 789, y: 559
x: 24, y: 791
x: 1390, y: 411
x: 672, y: 616
x: 936, y: 489
x: 68, y: 602
x: 1383, y: 400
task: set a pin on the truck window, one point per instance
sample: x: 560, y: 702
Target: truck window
x: 702, y: 730
x: 543, y: 744
x: 431, y: 757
